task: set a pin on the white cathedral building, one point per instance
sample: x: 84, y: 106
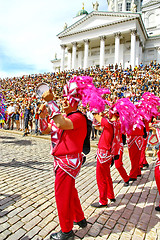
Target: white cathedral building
x: 127, y: 34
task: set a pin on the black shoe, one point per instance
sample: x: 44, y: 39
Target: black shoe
x: 62, y: 236
x: 25, y: 134
x: 133, y: 179
x: 82, y: 223
x: 112, y: 199
x: 112, y: 162
x: 98, y: 205
x: 157, y: 208
x: 145, y: 166
x: 126, y: 184
x: 139, y: 175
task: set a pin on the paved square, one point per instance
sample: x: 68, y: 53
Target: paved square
x: 27, y: 202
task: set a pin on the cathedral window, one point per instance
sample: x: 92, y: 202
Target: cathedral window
x: 119, y: 7
x: 107, y: 51
x: 94, y: 53
x: 151, y: 20
x: 128, y: 6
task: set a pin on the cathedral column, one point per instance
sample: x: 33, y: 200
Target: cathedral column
x: 63, y: 47
x: 74, y: 50
x: 158, y: 54
x: 133, y: 48
x: 116, y: 6
x: 124, y: 6
x: 137, y: 51
x: 117, y: 48
x: 102, y: 50
x: 86, y: 48
x: 121, y: 54
x: 140, y: 52
x: 69, y: 59
x: 80, y: 54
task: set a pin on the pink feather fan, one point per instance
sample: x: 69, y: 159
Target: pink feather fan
x: 90, y: 94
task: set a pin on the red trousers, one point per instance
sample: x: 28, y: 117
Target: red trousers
x: 104, y: 182
x: 143, y: 155
x: 67, y: 200
x: 134, y: 154
x: 157, y: 178
x: 120, y: 168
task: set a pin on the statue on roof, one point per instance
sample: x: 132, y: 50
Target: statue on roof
x: 133, y: 7
x: 95, y: 6
x: 65, y: 26
x: 110, y: 5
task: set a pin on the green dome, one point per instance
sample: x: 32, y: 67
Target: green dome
x: 81, y: 12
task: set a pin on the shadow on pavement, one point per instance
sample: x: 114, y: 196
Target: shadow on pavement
x: 28, y: 238
x: 89, y: 164
x: 19, y: 142
x: 114, y: 222
x: 8, y: 200
x: 28, y: 164
x: 5, y: 137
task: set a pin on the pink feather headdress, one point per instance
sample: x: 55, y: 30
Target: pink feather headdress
x: 147, y: 106
x: 127, y: 111
x: 82, y: 88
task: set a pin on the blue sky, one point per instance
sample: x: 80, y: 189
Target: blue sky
x: 28, y: 30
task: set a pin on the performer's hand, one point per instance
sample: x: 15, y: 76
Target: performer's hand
x: 43, y: 111
x: 97, y: 117
x: 48, y: 96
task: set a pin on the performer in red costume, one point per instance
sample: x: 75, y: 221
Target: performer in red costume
x: 66, y: 149
x: 128, y: 119
x: 67, y: 137
x: 104, y: 159
x: 118, y: 161
x: 147, y: 107
x: 157, y: 176
x: 117, y: 145
x: 110, y: 146
x: 135, y: 143
x: 143, y: 162
x: 154, y: 139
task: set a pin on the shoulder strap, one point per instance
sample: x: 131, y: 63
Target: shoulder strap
x: 74, y: 112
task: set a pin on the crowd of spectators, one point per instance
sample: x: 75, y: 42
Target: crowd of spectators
x: 20, y: 92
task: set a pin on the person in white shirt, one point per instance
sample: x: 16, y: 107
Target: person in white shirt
x: 11, y: 115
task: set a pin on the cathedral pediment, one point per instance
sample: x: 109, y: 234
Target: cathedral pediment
x: 149, y: 3
x: 97, y: 20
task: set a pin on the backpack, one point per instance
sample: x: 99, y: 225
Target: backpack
x: 86, y: 144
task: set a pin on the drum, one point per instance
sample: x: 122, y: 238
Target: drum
x: 41, y: 88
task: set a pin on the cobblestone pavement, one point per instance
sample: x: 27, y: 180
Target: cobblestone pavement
x: 27, y: 201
